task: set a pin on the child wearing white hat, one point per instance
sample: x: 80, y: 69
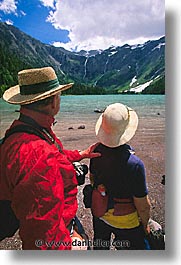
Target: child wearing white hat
x: 120, y: 203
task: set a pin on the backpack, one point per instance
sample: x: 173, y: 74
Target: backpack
x: 9, y: 223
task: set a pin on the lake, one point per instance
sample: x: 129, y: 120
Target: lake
x: 80, y: 108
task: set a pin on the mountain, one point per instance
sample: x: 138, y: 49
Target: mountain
x: 125, y: 69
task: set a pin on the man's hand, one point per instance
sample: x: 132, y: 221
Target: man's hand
x: 89, y: 152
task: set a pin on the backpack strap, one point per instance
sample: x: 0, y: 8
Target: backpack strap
x: 31, y: 127
x: 23, y: 128
x: 29, y: 121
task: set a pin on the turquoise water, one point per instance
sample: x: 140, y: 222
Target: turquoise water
x: 81, y: 108
x: 143, y: 104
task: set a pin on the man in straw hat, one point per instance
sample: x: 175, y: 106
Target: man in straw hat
x: 37, y: 174
x: 120, y: 203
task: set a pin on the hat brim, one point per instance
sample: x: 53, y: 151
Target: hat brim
x: 115, y: 139
x: 13, y: 96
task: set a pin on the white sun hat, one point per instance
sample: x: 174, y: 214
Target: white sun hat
x: 116, y: 125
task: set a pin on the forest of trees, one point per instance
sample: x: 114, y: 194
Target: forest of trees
x: 10, y: 66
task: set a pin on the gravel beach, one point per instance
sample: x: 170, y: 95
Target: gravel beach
x: 149, y: 145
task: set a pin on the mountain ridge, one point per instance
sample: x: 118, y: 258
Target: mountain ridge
x: 118, y: 69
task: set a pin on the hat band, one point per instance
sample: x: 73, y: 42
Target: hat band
x: 39, y: 88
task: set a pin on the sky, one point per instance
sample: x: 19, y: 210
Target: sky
x: 87, y: 24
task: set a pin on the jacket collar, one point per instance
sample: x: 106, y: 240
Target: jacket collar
x: 43, y: 119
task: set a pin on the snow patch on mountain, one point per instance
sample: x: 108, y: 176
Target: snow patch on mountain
x: 134, y: 79
x: 158, y: 46
x: 112, y: 53
x: 141, y: 87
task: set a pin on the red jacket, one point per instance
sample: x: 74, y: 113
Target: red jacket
x: 41, y: 183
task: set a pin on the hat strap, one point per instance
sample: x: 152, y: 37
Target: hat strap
x: 39, y: 87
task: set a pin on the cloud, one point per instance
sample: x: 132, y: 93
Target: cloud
x: 48, y: 3
x: 8, y: 6
x: 94, y: 24
x: 22, y: 13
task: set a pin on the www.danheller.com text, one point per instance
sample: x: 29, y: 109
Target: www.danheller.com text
x: 84, y: 243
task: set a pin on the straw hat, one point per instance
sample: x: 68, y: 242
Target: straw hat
x: 34, y: 84
x: 116, y: 125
